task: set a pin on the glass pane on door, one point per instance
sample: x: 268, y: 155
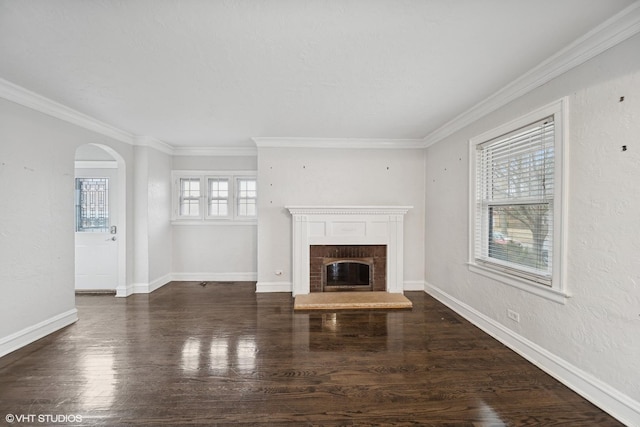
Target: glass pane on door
x: 92, y: 205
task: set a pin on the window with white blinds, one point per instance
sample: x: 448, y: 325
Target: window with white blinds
x: 516, y: 199
x: 514, y: 194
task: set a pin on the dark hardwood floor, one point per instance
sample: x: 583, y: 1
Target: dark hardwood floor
x: 220, y: 354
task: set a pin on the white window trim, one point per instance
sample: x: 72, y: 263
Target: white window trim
x: 557, y: 292
x: 236, y: 190
x: 204, y: 218
x: 205, y: 202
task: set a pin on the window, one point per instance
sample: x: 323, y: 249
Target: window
x: 247, y: 197
x: 218, y: 197
x: 517, y: 207
x: 190, y: 197
x: 92, y: 205
x: 204, y: 196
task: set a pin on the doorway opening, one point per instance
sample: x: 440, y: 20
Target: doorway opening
x: 100, y: 221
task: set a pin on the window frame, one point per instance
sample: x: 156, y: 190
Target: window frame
x: 207, y: 197
x: 180, y: 197
x: 238, y: 199
x: 205, y: 216
x: 555, y: 288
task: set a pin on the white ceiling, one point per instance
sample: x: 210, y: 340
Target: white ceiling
x: 212, y: 73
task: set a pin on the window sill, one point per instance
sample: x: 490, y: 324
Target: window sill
x: 213, y: 222
x: 521, y: 283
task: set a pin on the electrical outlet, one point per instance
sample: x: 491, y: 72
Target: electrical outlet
x: 513, y: 316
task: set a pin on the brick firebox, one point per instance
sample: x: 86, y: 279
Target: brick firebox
x: 319, y: 253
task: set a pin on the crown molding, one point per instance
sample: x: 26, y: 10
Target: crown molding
x: 27, y: 98
x: 611, y: 32
x: 18, y: 94
x: 215, y: 151
x: 615, y: 30
x: 151, y: 142
x: 359, y: 143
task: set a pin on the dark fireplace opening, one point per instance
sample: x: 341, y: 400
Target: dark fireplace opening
x: 347, y: 268
x: 348, y: 275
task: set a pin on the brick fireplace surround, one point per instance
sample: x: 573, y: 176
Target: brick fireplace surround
x: 347, y: 225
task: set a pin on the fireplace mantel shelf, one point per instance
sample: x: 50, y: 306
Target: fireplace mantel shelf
x: 348, y: 210
x: 347, y: 225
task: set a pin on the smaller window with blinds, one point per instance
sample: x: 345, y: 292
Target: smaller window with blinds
x: 516, y: 198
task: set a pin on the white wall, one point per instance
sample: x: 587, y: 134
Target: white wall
x: 215, y: 163
x: 212, y: 251
x: 215, y: 252
x: 37, y: 227
x: 159, y: 217
x: 593, y: 339
x: 152, y: 212
x: 328, y: 176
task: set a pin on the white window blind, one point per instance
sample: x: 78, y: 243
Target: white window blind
x: 514, y: 201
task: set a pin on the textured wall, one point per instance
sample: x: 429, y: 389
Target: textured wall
x: 323, y: 176
x: 597, y: 329
x: 37, y: 210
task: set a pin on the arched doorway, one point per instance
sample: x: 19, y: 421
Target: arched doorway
x: 100, y: 210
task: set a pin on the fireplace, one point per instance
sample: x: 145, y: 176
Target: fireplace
x: 347, y: 268
x: 347, y: 275
x: 348, y: 227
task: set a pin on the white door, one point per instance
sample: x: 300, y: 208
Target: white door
x: 96, y: 229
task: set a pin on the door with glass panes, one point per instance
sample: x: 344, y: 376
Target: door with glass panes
x: 96, y: 232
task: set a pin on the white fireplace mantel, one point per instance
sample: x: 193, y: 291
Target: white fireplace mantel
x: 348, y: 225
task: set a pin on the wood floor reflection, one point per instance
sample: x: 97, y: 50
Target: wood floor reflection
x: 220, y: 354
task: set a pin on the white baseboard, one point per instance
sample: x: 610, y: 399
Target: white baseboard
x: 618, y: 404
x: 147, y: 288
x: 123, y: 292
x: 413, y: 285
x: 160, y: 282
x: 215, y: 277
x: 138, y: 288
x: 262, y: 287
x: 33, y: 333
